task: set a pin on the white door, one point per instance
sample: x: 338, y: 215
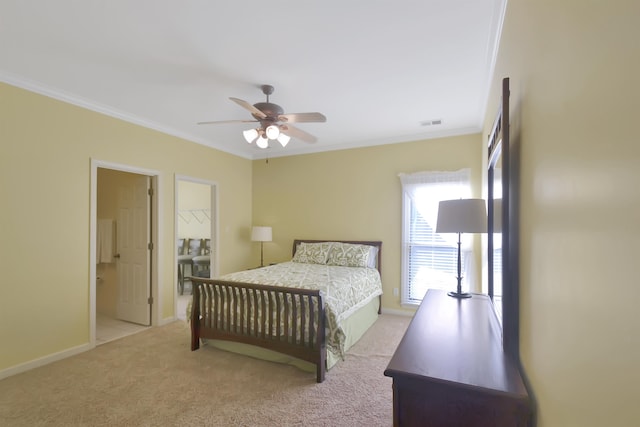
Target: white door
x: 133, y: 239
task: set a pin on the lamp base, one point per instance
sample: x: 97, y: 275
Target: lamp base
x: 459, y: 294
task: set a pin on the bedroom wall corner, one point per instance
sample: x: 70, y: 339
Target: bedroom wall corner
x: 351, y: 194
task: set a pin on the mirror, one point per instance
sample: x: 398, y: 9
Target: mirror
x: 495, y: 231
x: 502, y: 239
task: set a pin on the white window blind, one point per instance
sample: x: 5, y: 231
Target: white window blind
x: 429, y: 259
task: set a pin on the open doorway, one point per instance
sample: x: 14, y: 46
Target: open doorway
x: 123, y: 260
x: 196, y: 236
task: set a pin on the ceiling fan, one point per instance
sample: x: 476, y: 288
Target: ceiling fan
x: 274, y: 123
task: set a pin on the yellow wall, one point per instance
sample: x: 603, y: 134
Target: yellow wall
x: 574, y: 68
x: 351, y: 195
x: 46, y: 147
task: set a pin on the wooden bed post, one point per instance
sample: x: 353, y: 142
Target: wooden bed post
x: 195, y: 317
x: 321, y: 365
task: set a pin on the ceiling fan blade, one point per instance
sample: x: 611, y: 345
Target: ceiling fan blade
x: 298, y: 133
x: 217, y: 122
x: 302, y: 118
x: 251, y: 108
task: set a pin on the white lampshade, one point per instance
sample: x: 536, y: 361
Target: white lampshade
x: 250, y: 135
x: 283, y: 139
x: 272, y: 132
x: 261, y: 234
x: 262, y: 142
x: 462, y: 216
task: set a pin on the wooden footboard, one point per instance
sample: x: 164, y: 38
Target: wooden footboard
x: 286, y: 320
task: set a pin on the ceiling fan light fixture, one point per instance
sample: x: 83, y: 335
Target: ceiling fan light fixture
x: 250, y: 135
x: 262, y: 142
x: 283, y: 139
x: 272, y: 132
x: 272, y: 122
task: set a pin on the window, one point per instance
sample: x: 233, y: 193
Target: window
x: 429, y: 260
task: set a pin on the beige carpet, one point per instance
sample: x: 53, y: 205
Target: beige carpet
x: 153, y: 379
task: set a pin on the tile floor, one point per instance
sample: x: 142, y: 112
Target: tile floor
x: 109, y: 329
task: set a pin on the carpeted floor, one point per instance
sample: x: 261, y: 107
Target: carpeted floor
x: 153, y: 379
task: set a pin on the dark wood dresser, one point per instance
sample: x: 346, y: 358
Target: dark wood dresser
x: 450, y: 368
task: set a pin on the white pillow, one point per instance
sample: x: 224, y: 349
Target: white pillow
x: 373, y: 257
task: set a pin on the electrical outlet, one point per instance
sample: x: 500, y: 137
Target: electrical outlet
x: 396, y: 292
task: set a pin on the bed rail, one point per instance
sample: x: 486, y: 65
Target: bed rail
x: 286, y: 320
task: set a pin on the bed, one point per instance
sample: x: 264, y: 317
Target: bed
x: 307, y: 311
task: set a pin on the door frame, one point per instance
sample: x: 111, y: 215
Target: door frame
x: 156, y: 237
x: 215, y: 231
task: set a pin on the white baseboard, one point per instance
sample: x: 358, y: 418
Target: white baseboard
x: 36, y: 363
x: 398, y: 312
x: 167, y: 320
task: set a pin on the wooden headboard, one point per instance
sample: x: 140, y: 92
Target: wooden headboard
x: 375, y: 243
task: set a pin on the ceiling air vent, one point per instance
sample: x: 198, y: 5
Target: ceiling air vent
x: 431, y: 122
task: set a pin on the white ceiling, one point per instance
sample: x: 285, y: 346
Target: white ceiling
x: 376, y: 69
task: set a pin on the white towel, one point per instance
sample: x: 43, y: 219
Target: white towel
x: 104, y: 241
